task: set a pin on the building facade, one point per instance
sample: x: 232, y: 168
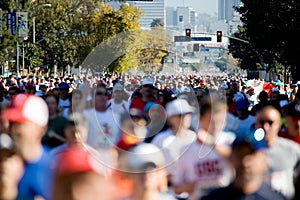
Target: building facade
x: 181, y: 18
x: 226, y: 9
x: 153, y: 9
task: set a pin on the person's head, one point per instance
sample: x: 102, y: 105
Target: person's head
x: 179, y: 114
x: 118, y: 91
x: 63, y: 89
x: 30, y: 88
x: 76, y: 96
x: 242, y: 108
x: 139, y: 120
x: 229, y: 95
x: 152, y: 111
x: 275, y: 94
x: 52, y: 103
x: 144, y: 164
x: 212, y: 114
x: 292, y: 117
x: 202, y: 84
x: 250, y: 91
x: 43, y: 87
x: 11, y: 168
x: 248, y: 160
x: 147, y: 89
x: 101, y: 97
x: 268, y: 118
x: 28, y: 120
x: 76, y: 129
x: 79, y: 175
x: 263, y: 96
x: 12, y: 91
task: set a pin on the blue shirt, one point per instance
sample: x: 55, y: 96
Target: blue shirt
x: 38, y: 178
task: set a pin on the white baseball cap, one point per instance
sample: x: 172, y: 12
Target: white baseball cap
x: 178, y: 107
x: 118, y: 87
x: 143, y: 154
x: 25, y: 107
x: 148, y: 82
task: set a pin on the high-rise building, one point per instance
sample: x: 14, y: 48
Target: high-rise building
x: 171, y: 16
x: 226, y: 9
x: 153, y: 9
x: 181, y: 18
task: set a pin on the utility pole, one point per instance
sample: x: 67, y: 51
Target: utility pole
x: 23, y: 58
x: 17, y: 32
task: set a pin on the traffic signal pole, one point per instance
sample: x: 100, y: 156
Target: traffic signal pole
x: 230, y: 37
x: 239, y: 39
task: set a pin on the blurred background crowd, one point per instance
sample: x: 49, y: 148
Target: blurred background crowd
x: 148, y: 137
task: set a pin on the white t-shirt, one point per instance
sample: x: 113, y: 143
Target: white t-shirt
x: 103, y: 128
x: 283, y: 157
x: 119, y: 108
x: 203, y: 165
x: 173, y: 146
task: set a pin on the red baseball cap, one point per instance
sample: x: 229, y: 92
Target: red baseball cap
x: 78, y: 159
x: 27, y: 107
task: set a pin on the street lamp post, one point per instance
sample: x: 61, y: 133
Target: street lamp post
x: 33, y: 19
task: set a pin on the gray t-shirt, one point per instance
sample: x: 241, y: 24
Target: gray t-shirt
x: 283, y: 157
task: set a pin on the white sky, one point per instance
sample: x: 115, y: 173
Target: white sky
x: 202, y: 6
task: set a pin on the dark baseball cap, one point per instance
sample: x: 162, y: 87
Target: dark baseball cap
x: 293, y: 109
x: 255, y: 138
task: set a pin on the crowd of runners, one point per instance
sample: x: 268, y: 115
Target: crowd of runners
x: 136, y: 137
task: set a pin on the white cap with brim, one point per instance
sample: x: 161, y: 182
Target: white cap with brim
x: 143, y: 155
x: 148, y: 82
x: 26, y: 107
x: 178, y: 107
x: 118, y: 87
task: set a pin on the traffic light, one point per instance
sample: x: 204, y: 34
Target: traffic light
x: 188, y: 32
x: 219, y: 36
x: 46, y: 60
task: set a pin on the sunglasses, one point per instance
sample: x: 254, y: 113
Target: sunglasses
x: 262, y: 122
x: 101, y: 93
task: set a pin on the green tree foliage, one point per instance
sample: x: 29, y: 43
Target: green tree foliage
x: 272, y: 27
x: 155, y: 50
x: 69, y: 30
x: 247, y: 56
x: 156, y: 22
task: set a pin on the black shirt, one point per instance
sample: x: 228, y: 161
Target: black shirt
x: 231, y: 193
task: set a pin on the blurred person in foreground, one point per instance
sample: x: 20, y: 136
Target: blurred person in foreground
x: 147, y: 90
x: 78, y: 175
x: 28, y: 118
x: 11, y: 168
x: 132, y: 129
x: 250, y: 164
x: 174, y: 140
x: 283, y: 154
x: 204, y: 165
x: 75, y: 132
x: 144, y: 166
x: 292, y: 118
x: 157, y: 120
x: 118, y: 104
x: 244, y: 119
x: 54, y: 135
x: 103, y: 124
